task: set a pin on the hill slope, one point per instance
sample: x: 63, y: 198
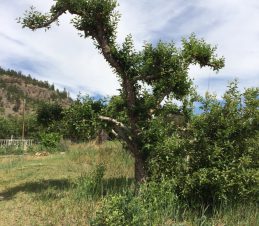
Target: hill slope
x: 16, y: 87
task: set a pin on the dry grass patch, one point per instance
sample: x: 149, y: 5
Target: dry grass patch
x: 41, y: 190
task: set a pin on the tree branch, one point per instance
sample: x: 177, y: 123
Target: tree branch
x: 52, y: 19
x: 114, y: 122
x: 121, y: 131
x: 36, y: 20
x: 106, y: 46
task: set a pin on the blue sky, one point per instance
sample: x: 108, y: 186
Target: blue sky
x: 63, y: 58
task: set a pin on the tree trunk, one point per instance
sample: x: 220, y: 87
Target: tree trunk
x: 101, y: 137
x: 140, y: 174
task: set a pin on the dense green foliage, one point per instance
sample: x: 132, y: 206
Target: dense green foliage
x: 12, y: 127
x: 8, y: 127
x: 90, y: 186
x: 50, y: 141
x: 215, y: 157
x: 48, y: 113
x: 153, y: 205
x: 80, y: 122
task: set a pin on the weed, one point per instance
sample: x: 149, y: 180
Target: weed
x: 11, y: 150
x: 91, y: 186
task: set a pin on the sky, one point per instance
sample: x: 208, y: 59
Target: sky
x: 61, y: 57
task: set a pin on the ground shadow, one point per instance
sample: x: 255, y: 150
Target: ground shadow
x: 35, y: 187
x: 52, y: 188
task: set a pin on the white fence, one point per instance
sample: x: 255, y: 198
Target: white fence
x: 16, y: 143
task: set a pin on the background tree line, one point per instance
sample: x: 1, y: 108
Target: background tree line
x: 14, y: 91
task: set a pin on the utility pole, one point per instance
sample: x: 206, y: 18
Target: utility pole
x: 23, y: 119
x: 23, y: 124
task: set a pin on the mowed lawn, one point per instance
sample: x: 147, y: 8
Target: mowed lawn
x: 42, y: 190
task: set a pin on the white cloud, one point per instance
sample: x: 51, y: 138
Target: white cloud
x: 231, y: 25
x: 62, y: 57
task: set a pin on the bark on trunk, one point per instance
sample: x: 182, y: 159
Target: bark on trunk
x: 140, y: 174
x: 101, y: 137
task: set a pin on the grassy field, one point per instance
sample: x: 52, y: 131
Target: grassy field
x: 52, y: 190
x: 42, y: 190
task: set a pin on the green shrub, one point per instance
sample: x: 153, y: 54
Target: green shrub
x: 153, y: 204
x: 80, y: 120
x: 50, y: 141
x: 215, y: 159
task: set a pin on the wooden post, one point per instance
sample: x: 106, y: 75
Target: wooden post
x: 23, y: 123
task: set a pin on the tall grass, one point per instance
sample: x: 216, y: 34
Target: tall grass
x: 45, y: 190
x: 11, y: 150
x: 92, y: 184
x: 157, y: 204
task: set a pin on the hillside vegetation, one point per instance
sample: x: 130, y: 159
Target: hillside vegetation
x: 16, y: 87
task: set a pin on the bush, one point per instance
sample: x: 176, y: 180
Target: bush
x: 9, y: 126
x: 152, y: 205
x: 50, y: 141
x: 215, y: 158
x: 80, y: 120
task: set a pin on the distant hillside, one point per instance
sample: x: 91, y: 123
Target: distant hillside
x: 16, y: 87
